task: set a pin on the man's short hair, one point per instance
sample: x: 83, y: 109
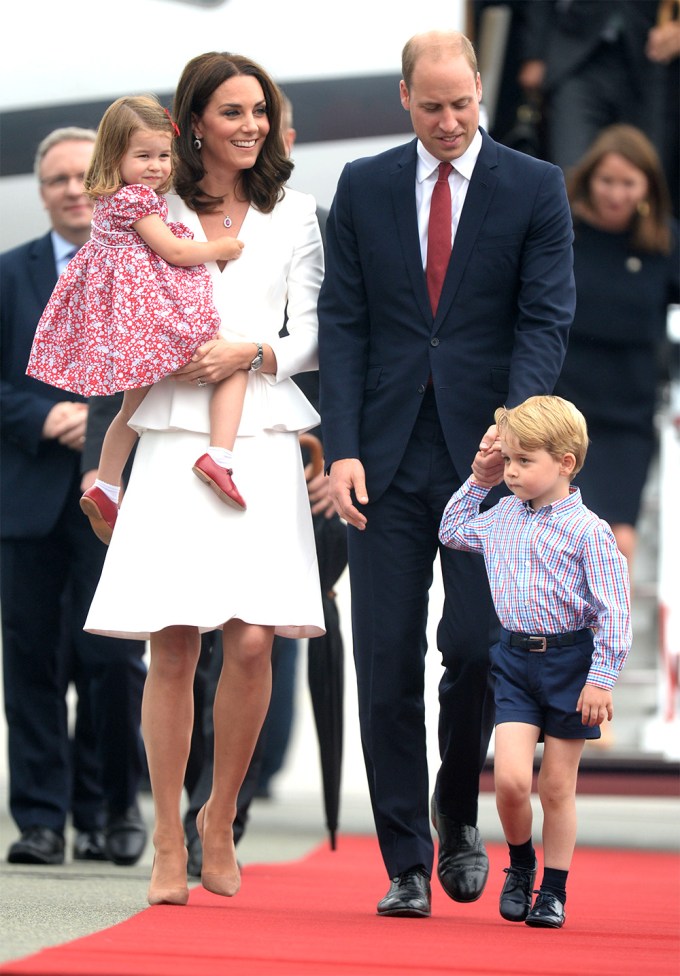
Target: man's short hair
x: 70, y: 133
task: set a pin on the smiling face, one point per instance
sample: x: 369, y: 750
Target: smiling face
x: 443, y: 102
x: 535, y: 475
x: 233, y: 126
x: 616, y: 189
x: 147, y: 159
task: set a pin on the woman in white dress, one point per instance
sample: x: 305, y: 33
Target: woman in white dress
x: 180, y: 561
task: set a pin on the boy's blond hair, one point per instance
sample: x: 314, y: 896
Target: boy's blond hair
x: 120, y: 121
x: 549, y: 423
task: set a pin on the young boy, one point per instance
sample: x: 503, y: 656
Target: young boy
x: 561, y: 592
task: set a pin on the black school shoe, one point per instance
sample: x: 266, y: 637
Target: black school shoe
x: 515, y: 900
x: 547, y: 913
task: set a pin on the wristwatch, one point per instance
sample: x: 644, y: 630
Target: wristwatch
x: 259, y: 359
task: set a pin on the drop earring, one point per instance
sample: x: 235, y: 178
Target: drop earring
x: 197, y: 143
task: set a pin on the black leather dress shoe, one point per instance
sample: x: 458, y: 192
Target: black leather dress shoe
x: 195, y: 858
x: 462, y: 865
x: 547, y: 913
x: 37, y: 845
x: 89, y: 845
x: 515, y: 901
x: 409, y: 895
x: 125, y: 837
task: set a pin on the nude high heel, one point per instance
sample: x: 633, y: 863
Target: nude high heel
x: 165, y: 892
x: 219, y: 884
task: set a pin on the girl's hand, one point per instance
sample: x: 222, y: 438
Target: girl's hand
x: 215, y: 360
x: 229, y: 248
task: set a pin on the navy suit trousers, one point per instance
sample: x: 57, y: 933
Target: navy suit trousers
x: 391, y: 568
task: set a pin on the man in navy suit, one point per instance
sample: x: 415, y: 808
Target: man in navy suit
x: 406, y: 395
x: 50, y: 562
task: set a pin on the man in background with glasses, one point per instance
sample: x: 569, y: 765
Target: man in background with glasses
x: 50, y: 563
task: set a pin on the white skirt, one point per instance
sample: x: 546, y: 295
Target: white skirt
x: 180, y: 555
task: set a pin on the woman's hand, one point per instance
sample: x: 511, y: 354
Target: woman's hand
x: 214, y: 361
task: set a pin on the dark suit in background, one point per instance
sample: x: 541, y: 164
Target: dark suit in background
x: 410, y: 395
x: 596, y: 71
x: 51, y: 562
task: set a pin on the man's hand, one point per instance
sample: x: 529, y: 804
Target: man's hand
x: 348, y: 475
x: 663, y: 42
x: 488, y: 465
x: 595, y: 704
x: 67, y: 422
x: 319, y: 491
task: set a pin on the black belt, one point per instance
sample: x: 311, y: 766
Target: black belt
x: 540, y: 642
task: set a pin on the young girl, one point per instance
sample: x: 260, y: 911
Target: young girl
x: 135, y: 302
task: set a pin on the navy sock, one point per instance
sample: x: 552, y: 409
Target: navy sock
x: 555, y: 883
x: 522, y: 855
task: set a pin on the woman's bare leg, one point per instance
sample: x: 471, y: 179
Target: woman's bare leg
x: 241, y: 703
x: 167, y: 721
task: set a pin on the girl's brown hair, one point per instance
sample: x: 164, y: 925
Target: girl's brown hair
x: 650, y: 230
x: 262, y: 185
x: 121, y: 119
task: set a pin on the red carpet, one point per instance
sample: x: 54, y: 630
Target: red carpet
x: 315, y: 917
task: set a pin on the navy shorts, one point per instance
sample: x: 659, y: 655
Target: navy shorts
x: 542, y: 687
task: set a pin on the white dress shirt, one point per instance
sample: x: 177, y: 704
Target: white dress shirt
x: 63, y: 251
x: 427, y: 169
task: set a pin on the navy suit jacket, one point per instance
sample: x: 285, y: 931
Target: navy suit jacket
x: 503, y: 319
x: 36, y: 475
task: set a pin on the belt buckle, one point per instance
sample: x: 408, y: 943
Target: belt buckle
x: 541, y: 641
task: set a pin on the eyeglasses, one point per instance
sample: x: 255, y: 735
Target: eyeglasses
x: 62, y: 181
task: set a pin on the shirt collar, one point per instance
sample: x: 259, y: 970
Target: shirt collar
x: 62, y: 248
x: 561, y: 507
x: 465, y: 164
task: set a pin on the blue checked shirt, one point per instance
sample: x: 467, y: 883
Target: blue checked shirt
x: 551, y: 571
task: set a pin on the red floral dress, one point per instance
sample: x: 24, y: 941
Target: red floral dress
x: 120, y: 317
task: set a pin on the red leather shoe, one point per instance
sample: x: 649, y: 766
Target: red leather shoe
x: 219, y: 479
x: 101, y: 511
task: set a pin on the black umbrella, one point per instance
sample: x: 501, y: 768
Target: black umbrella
x: 325, y: 655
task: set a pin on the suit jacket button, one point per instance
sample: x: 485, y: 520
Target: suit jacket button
x: 434, y: 342
x: 421, y: 389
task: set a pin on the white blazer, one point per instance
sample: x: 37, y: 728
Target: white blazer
x: 280, y: 271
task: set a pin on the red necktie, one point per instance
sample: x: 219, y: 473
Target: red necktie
x: 439, y: 235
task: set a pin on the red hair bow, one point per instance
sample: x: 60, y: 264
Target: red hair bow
x: 172, y: 122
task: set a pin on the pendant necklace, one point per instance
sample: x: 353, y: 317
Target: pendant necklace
x: 227, y: 221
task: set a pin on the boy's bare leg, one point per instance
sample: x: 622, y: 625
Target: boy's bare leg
x: 557, y: 791
x: 515, y: 745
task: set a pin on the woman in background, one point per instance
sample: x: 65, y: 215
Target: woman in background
x: 627, y: 273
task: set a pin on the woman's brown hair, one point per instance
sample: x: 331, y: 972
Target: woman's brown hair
x: 121, y: 119
x: 650, y: 230
x: 262, y: 185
